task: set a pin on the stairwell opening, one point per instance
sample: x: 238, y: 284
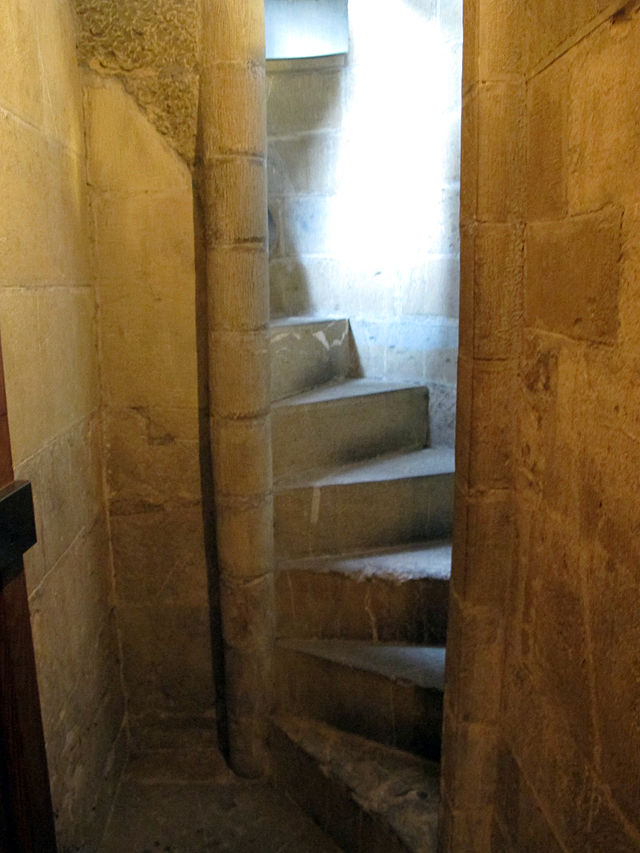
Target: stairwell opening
x: 363, y: 189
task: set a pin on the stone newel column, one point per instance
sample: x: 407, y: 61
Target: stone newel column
x: 232, y: 188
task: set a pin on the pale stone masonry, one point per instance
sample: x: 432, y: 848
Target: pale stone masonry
x: 541, y: 746
x: 231, y: 188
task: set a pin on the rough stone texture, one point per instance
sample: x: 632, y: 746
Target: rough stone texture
x: 398, y: 594
x: 142, y: 234
x: 364, y: 187
x: 152, y: 48
x: 370, y: 798
x: 47, y: 316
x: 542, y: 661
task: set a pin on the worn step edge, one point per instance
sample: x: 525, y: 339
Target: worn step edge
x: 388, y: 798
x: 402, y: 465
x: 397, y: 564
x: 414, y: 664
x: 343, y: 390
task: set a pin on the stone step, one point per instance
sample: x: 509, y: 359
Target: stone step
x: 389, y: 692
x: 369, y: 798
x: 307, y: 351
x: 388, y: 595
x: 346, y: 421
x: 399, y: 497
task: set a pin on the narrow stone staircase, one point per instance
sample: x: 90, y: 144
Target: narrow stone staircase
x: 363, y: 515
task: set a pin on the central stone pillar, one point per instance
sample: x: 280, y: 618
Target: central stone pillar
x: 231, y: 182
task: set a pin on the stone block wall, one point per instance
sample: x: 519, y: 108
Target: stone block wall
x: 142, y: 238
x: 363, y: 191
x: 47, y: 321
x: 543, y: 672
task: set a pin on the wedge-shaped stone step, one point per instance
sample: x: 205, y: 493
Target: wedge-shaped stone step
x: 347, y: 421
x: 390, y: 595
x: 388, y: 692
x: 368, y: 797
x: 307, y: 351
x: 400, y: 497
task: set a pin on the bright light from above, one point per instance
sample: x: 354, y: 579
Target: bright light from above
x: 296, y: 29
x: 392, y: 206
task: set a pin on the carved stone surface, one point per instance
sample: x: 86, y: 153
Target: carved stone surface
x: 152, y: 47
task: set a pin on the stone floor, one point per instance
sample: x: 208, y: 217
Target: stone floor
x: 189, y: 802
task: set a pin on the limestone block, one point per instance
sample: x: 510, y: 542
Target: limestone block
x: 467, y: 290
x: 240, y: 373
x: 66, y: 477
x: 548, y: 141
x: 249, y: 750
x: 159, y: 557
x: 469, y: 163
x: 472, y: 768
x: 556, y: 769
x: 23, y: 373
x: 249, y: 682
x: 146, y: 240
x: 230, y: 216
x: 245, y: 539
x: 145, y: 161
x: 246, y: 304
x: 604, y: 118
x: 50, y: 363
x: 554, y: 620
x: 79, y: 680
x: 148, y: 346
x: 464, y: 421
x: 303, y: 164
x: 304, y: 102
x: 38, y: 69
x: 43, y: 214
x: 248, y: 609
x: 492, y: 426
x: 615, y: 630
x: 523, y: 824
x: 237, y: 121
x: 471, y: 30
x: 501, y: 46
x: 490, y: 550
x: 166, y: 658
x: 85, y: 778
x: 572, y: 275
x: 549, y: 27
x: 475, y: 649
x: 307, y: 226
x: 629, y: 333
x: 501, y: 151
x: 242, y: 457
x: 68, y: 355
x: 152, y: 458
x: 238, y: 34
x: 468, y: 829
x: 498, y: 279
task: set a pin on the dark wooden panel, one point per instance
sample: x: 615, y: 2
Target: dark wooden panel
x: 26, y: 815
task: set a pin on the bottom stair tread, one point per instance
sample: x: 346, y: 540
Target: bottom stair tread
x: 396, y: 793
